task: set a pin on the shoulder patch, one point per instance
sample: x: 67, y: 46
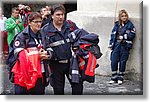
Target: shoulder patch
x: 17, y: 43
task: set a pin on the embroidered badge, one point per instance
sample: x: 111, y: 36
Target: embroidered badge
x: 17, y: 43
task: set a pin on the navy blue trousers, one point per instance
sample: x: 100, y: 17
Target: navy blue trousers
x: 119, y: 55
x: 59, y: 71
x: 39, y: 89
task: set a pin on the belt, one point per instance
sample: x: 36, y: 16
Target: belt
x: 63, y: 61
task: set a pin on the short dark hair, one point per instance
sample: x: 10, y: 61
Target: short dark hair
x: 57, y: 7
x: 14, y: 9
x: 42, y: 9
x: 34, y: 15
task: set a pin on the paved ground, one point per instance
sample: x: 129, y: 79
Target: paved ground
x: 100, y: 87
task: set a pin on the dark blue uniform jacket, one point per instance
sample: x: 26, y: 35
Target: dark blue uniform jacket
x: 128, y: 34
x: 25, y: 39
x: 58, y: 40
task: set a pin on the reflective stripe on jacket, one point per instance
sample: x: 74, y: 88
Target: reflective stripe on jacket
x: 58, y: 40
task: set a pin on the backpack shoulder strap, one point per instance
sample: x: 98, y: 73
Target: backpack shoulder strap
x: 26, y: 37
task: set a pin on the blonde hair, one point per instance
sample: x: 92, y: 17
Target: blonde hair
x: 120, y: 14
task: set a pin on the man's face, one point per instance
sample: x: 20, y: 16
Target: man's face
x: 15, y: 14
x: 45, y: 11
x: 58, y: 17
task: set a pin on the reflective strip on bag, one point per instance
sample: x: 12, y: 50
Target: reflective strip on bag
x: 75, y: 72
x: 73, y: 35
x: 82, y: 63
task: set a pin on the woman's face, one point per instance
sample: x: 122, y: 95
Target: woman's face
x: 35, y: 25
x: 124, y: 17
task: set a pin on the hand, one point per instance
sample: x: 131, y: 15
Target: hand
x: 44, y: 57
x: 110, y: 48
x: 120, y: 37
x: 17, y: 21
x: 43, y: 54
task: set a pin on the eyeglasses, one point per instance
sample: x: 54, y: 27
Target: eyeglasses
x: 37, y: 21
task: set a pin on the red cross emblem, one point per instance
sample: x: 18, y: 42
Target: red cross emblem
x: 17, y: 43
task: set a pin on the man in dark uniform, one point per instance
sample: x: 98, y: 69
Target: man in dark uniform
x: 57, y: 38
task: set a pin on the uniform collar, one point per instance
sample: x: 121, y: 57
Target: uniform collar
x: 28, y: 31
x: 33, y: 35
x: 53, y: 29
x: 126, y: 22
x: 66, y: 25
x: 14, y: 18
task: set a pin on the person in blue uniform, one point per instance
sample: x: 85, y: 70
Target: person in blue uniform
x: 120, y: 43
x: 57, y: 38
x: 31, y: 38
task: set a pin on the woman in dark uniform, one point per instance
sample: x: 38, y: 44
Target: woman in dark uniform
x: 120, y: 43
x: 29, y: 71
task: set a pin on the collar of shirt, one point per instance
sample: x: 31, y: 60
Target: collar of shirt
x: 53, y: 29
x: 15, y: 18
x: 33, y: 35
